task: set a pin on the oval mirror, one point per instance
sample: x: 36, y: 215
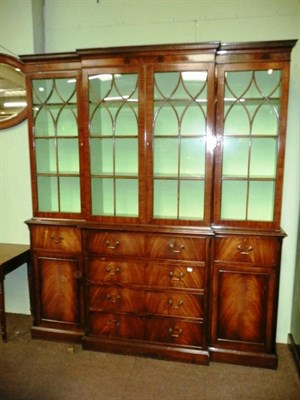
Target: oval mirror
x: 12, y: 91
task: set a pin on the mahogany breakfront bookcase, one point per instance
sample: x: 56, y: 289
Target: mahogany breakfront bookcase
x: 157, y: 183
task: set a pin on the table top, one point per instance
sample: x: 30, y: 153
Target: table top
x: 9, y: 251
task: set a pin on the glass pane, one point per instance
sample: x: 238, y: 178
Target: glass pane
x: 238, y: 83
x: 69, y: 194
x: 191, y: 200
x: 68, y: 156
x: 45, y: 153
x: 266, y: 119
x: 166, y: 84
x: 192, y: 160
x: 47, y: 188
x: 235, y: 157
x: 194, y: 120
x: 234, y: 200
x: 67, y: 122
x: 126, y: 156
x: 261, y: 201
x: 166, y: 120
x: 268, y: 82
x: 237, y: 119
x: 263, y: 158
x: 101, y: 153
x: 102, y: 197
x: 101, y: 121
x: 166, y: 157
x: 44, y: 122
x: 127, y: 120
x: 165, y: 199
x: 127, y: 197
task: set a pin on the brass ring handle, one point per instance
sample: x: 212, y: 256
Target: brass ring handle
x: 113, y: 245
x: 175, y: 305
x: 176, y: 276
x: 113, y: 271
x: 244, y: 251
x: 116, y: 322
x: 113, y: 299
x: 176, y: 249
x: 175, y: 333
x: 56, y: 239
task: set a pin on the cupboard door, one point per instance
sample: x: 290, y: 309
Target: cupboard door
x: 56, y: 152
x: 250, y: 136
x: 243, y: 304
x: 58, y: 290
x: 181, y: 126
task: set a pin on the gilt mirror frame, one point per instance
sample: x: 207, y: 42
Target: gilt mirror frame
x: 13, y: 109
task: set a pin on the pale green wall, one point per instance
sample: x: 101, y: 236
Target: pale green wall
x: 73, y: 24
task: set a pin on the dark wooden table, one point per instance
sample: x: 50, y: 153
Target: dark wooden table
x: 12, y: 256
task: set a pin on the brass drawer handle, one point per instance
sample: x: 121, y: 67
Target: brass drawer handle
x: 176, y: 248
x: 112, y: 271
x: 112, y: 246
x: 56, y: 239
x: 175, y: 305
x: 175, y: 333
x: 113, y: 299
x: 115, y: 322
x: 243, y: 251
x: 176, y: 276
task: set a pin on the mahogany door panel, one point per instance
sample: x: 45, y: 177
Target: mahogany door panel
x: 115, y: 244
x: 247, y: 249
x: 174, y: 331
x: 243, y: 308
x: 59, y: 289
x: 174, y: 304
x: 115, y: 299
x: 176, y: 248
x: 175, y: 275
x: 115, y: 271
x: 58, y: 238
x: 116, y: 325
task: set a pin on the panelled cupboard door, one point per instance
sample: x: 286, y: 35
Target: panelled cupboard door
x: 251, y: 123
x: 56, y: 144
x: 58, y: 291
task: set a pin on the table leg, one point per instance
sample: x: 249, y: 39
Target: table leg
x: 2, y: 311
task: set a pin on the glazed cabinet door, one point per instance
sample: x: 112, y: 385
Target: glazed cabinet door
x: 115, y: 126
x: 55, y: 144
x: 251, y: 123
x: 180, y: 125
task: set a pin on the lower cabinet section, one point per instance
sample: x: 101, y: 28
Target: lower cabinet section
x: 193, y: 298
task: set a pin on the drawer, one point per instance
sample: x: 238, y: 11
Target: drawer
x: 116, y: 243
x: 259, y: 250
x: 176, y: 248
x: 115, y: 325
x: 112, y: 299
x: 115, y: 271
x: 56, y: 238
x: 175, y: 276
x: 174, y: 304
x: 174, y: 331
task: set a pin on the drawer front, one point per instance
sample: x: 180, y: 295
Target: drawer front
x: 175, y: 276
x: 176, y: 248
x: 112, y: 299
x: 115, y: 244
x: 174, y: 331
x: 247, y: 249
x: 56, y: 238
x: 174, y: 304
x: 115, y: 271
x: 115, y: 325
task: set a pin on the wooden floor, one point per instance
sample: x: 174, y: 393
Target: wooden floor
x: 41, y: 370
